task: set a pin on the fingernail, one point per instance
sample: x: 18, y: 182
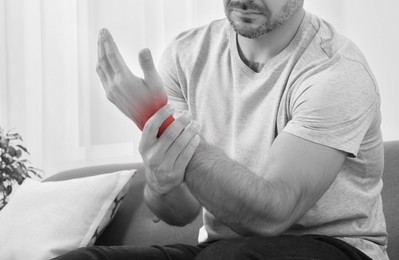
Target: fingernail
x: 103, y: 32
x: 146, y: 54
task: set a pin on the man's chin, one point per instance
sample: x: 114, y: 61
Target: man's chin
x: 250, y: 33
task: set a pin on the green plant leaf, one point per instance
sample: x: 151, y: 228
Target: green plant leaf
x: 23, y: 148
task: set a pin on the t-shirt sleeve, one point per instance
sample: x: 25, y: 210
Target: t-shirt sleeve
x: 167, y: 68
x: 335, y: 108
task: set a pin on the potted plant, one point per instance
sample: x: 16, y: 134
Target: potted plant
x: 15, y: 166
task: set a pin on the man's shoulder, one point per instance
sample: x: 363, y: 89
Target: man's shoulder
x: 331, y: 59
x: 330, y: 43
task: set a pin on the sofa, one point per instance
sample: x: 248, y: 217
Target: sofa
x: 133, y: 223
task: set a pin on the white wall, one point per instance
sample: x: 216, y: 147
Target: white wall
x: 373, y: 26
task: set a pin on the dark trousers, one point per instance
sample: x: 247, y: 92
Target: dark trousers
x: 243, y: 248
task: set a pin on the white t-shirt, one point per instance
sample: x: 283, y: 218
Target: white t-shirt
x: 319, y: 88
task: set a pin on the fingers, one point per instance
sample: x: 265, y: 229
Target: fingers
x: 171, y: 133
x: 102, y: 76
x: 180, y: 143
x: 185, y: 156
x: 151, y: 127
x: 112, y: 54
x: 104, y: 69
x: 151, y: 76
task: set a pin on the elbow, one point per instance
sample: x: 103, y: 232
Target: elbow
x: 273, y: 224
x: 270, y: 228
x: 262, y: 224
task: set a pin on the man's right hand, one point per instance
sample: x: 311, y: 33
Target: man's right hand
x: 166, y: 158
x: 137, y: 98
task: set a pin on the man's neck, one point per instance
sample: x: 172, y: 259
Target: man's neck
x: 265, y: 48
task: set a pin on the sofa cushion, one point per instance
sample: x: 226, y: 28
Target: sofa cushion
x: 133, y: 223
x: 46, y: 219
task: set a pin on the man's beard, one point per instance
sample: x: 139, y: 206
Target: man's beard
x: 253, y: 33
x: 268, y: 26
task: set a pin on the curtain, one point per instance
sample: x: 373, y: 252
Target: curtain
x: 49, y: 90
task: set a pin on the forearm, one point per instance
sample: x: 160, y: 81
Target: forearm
x: 248, y: 204
x: 178, y: 207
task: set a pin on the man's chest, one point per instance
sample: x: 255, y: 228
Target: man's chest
x: 240, y: 116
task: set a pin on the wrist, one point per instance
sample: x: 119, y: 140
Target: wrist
x: 149, y: 107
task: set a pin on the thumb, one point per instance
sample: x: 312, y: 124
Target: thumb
x: 151, y: 76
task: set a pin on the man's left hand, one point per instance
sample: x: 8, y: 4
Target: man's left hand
x: 166, y: 158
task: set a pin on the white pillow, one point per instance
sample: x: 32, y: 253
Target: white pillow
x: 45, y: 219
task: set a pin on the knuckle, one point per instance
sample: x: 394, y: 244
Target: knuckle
x: 98, y: 68
x: 149, y: 126
x: 110, y: 95
x: 185, y: 155
x: 152, y: 162
x: 119, y: 77
x: 179, y: 146
x: 111, y: 56
x: 164, y: 169
x: 187, y: 135
x: 102, y: 61
x: 168, y: 135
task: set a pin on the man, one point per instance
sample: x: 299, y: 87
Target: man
x: 282, y: 150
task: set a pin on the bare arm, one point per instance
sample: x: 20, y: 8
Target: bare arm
x: 253, y: 205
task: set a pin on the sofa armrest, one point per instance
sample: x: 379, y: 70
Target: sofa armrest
x: 92, y: 170
x: 390, y: 196
x: 133, y: 224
